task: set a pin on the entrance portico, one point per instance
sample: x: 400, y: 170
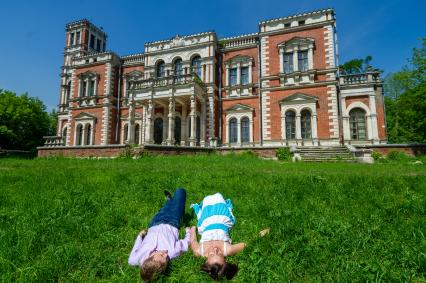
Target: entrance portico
x: 174, y: 110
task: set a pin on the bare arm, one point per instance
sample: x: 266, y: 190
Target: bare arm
x: 195, y: 246
x: 234, y: 249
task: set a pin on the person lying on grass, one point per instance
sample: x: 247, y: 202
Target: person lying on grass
x: 215, y: 221
x: 153, y: 249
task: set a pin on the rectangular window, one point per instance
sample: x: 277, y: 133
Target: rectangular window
x: 103, y: 46
x: 92, y: 88
x: 77, y: 38
x: 303, y: 60
x: 232, y: 76
x: 83, y: 92
x: 98, y: 45
x: 244, y: 75
x: 71, y: 39
x: 288, y: 63
x: 287, y: 25
x: 92, y: 41
x: 301, y: 23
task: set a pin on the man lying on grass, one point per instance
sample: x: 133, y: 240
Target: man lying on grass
x: 154, y: 249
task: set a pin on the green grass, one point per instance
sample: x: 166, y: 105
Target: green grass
x: 76, y: 220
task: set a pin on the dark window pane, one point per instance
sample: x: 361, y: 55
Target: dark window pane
x: 137, y: 132
x: 196, y: 65
x: 178, y: 67
x: 92, y: 41
x: 160, y: 70
x: 233, y: 128
x: 244, y: 75
x: 177, y: 130
x: 303, y: 60
x: 88, y: 134
x: 305, y: 126
x: 245, y: 130
x: 357, y: 123
x: 290, y: 125
x: 288, y: 63
x: 232, y: 76
x: 158, y: 131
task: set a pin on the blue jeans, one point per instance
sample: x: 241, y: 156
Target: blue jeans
x: 172, y: 212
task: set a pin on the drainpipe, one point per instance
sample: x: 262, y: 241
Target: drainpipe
x: 339, y: 106
x: 220, y: 96
x: 118, y: 101
x: 259, y: 74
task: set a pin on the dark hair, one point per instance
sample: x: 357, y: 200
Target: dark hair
x: 218, y: 271
x: 151, y: 268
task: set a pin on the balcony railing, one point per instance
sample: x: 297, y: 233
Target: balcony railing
x: 166, y: 81
x: 352, y: 79
x: 52, y: 141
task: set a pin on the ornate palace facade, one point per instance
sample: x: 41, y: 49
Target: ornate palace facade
x: 279, y: 86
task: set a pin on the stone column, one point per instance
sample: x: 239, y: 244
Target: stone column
x: 171, y: 127
x: 298, y: 129
x: 346, y: 129
x: 148, y: 126
x: 281, y: 60
x: 314, y: 129
x: 373, y: 115
x: 239, y: 132
x: 203, y: 122
x: 87, y: 87
x: 165, y: 125
x: 250, y: 78
x: 202, y: 72
x: 239, y: 74
x: 131, y: 123
x: 283, y: 132
x: 183, y: 127
x: 95, y: 91
x: 295, y: 59
x: 192, y: 138
x: 311, y: 57
x: 227, y: 75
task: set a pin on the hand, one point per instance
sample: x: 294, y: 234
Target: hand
x: 264, y: 232
x: 143, y: 233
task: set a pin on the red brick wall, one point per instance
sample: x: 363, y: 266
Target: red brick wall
x: 100, y: 69
x: 352, y: 99
x: 319, y: 49
x: 323, y: 129
x: 380, y: 115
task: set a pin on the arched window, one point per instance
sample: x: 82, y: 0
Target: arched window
x: 137, y: 131
x: 88, y: 134
x: 358, y: 124
x: 245, y: 130
x: 178, y: 124
x: 79, y: 135
x: 290, y: 125
x: 161, y: 72
x: 178, y: 70
x: 233, y: 128
x: 125, y: 133
x: 305, y: 124
x: 196, y: 65
x: 158, y: 130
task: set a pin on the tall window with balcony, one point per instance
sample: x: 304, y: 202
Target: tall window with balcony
x: 288, y: 63
x: 196, y: 65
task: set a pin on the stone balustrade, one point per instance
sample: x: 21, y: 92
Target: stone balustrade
x: 130, y: 59
x: 238, y: 41
x: 52, y: 141
x: 166, y: 81
x: 362, y: 78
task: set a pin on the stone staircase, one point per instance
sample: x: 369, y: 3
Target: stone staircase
x: 325, y: 154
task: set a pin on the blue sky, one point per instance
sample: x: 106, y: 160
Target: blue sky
x: 33, y: 32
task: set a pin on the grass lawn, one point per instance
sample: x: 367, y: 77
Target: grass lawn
x: 76, y: 220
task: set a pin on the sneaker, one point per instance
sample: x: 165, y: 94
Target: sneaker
x: 167, y: 194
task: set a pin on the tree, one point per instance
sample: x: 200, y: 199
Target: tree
x: 23, y: 121
x: 356, y: 66
x: 405, y: 100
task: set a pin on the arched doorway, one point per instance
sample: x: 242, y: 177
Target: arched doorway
x: 158, y: 131
x: 357, y: 121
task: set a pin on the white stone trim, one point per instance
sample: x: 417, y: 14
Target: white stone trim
x: 330, y: 56
x: 239, y: 116
x: 332, y: 111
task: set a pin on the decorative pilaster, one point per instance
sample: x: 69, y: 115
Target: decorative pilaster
x: 193, y: 125
x: 203, y: 122
x: 148, y: 126
x: 171, y: 127
x: 298, y: 129
x: 184, y: 135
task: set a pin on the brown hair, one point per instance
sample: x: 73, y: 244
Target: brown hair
x: 150, y: 268
x: 218, y: 271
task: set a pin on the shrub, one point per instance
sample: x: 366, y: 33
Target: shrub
x: 395, y: 155
x: 376, y: 155
x: 283, y: 153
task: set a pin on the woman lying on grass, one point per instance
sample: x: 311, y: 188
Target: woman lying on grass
x: 215, y: 221
x: 154, y: 249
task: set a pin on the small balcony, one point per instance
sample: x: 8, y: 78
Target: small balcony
x: 174, y: 80
x: 362, y: 78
